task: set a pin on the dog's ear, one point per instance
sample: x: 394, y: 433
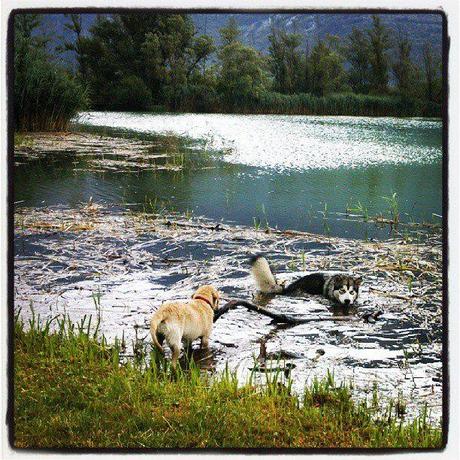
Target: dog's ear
x: 215, y: 298
x: 358, y: 280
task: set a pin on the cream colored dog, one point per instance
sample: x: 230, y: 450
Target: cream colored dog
x: 177, y: 321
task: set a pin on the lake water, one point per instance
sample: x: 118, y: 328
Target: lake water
x: 292, y: 172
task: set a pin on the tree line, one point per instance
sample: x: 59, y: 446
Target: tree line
x: 158, y: 62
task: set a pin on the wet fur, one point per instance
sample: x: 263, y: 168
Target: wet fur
x: 177, y: 321
x: 342, y: 288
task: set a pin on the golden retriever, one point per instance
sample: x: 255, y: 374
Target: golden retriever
x: 177, y: 321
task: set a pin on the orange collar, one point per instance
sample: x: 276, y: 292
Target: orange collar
x: 199, y: 297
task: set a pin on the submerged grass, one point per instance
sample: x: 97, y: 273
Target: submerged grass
x: 70, y: 390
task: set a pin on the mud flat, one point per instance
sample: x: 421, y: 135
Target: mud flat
x: 119, y: 266
x: 102, y: 153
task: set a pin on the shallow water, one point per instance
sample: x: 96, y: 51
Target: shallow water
x: 123, y: 271
x: 285, y: 171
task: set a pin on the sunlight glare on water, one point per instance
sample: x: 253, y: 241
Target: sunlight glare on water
x: 293, y: 142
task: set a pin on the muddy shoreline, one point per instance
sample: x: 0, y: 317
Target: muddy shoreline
x: 121, y: 266
x: 112, y: 262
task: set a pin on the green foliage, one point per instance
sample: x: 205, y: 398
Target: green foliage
x: 70, y: 390
x: 407, y: 75
x: 380, y: 44
x: 285, y: 62
x: 131, y: 93
x: 230, y: 33
x: 432, y: 67
x: 242, y: 77
x: 337, y: 104
x: 327, y: 74
x: 157, y: 62
x: 357, y: 52
x: 159, y: 50
x: 46, y: 96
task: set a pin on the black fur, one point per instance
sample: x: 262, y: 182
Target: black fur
x: 309, y: 284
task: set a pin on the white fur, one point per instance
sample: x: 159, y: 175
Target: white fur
x: 264, y: 278
x: 346, y: 295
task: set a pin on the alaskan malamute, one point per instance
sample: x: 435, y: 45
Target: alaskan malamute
x: 342, y: 287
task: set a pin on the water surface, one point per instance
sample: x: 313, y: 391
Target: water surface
x: 283, y: 171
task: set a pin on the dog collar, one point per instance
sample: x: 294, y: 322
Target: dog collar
x: 199, y: 297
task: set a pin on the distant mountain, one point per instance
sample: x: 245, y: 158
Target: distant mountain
x: 255, y: 27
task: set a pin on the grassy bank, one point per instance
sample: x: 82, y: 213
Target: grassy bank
x: 70, y: 391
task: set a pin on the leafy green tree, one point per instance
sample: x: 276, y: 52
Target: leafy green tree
x: 45, y: 95
x: 327, y: 74
x: 75, y: 26
x: 230, y: 33
x: 286, y: 62
x: 432, y: 69
x: 357, y: 53
x: 159, y: 49
x: 380, y: 44
x: 406, y: 74
x: 242, y: 76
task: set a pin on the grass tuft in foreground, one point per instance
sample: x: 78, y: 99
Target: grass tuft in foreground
x: 71, y: 391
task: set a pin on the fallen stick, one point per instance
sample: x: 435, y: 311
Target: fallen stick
x: 278, y: 317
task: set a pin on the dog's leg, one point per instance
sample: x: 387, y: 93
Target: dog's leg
x: 204, y: 341
x: 175, y: 354
x: 175, y: 342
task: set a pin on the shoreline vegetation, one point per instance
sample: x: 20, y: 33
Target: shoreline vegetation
x: 74, y: 388
x: 72, y: 391
x: 158, y: 63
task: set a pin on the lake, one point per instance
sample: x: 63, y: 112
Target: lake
x: 85, y: 258
x: 297, y: 172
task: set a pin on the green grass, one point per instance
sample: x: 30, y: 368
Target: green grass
x: 71, y: 391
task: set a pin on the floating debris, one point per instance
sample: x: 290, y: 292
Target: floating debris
x: 119, y: 266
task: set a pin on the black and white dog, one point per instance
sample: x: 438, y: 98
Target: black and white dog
x: 342, y: 288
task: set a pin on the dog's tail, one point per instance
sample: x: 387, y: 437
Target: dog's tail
x: 263, y: 276
x: 157, y: 318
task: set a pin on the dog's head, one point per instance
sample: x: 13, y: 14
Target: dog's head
x: 210, y: 293
x: 346, y: 288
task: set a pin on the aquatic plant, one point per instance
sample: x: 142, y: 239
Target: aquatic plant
x: 83, y: 393
x: 393, y: 207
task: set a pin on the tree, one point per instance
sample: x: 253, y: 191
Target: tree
x: 432, y: 74
x: 45, y: 95
x: 380, y: 43
x: 357, y: 52
x: 75, y: 26
x: 159, y: 49
x: 327, y: 74
x: 285, y: 61
x: 242, y: 76
x: 306, y: 85
x: 230, y: 33
x: 405, y: 72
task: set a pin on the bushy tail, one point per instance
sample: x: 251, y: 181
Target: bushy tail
x: 263, y: 276
x: 157, y: 318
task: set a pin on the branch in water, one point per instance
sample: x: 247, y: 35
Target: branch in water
x: 278, y: 317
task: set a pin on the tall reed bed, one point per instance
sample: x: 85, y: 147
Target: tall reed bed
x: 46, y: 95
x: 72, y: 390
x: 339, y: 104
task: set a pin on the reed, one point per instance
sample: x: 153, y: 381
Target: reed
x: 73, y: 389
